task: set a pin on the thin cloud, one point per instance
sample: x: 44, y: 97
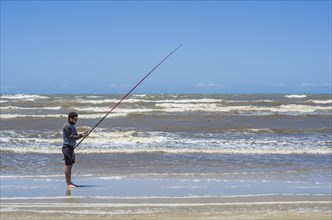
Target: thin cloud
x: 209, y: 85
x: 276, y: 84
x: 6, y: 87
x: 327, y: 84
x: 117, y: 86
x: 308, y: 84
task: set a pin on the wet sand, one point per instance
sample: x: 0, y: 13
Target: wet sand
x: 260, y: 207
x: 148, y: 198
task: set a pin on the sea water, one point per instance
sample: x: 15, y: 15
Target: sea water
x: 185, y: 145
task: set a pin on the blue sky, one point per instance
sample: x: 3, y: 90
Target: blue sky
x: 108, y: 46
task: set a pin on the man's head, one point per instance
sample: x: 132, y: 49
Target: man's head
x: 72, y: 118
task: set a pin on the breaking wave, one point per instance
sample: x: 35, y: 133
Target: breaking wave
x: 296, y: 96
x: 132, y: 141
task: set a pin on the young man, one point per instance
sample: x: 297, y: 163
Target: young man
x: 69, y: 135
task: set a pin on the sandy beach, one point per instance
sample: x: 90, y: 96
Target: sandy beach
x: 46, y: 197
x: 264, y: 207
x: 261, y: 207
x: 75, y: 204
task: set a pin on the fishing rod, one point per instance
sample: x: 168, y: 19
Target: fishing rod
x: 130, y: 92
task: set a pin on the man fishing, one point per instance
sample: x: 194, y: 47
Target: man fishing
x: 69, y: 135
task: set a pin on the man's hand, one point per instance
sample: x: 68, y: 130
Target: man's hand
x: 85, y: 134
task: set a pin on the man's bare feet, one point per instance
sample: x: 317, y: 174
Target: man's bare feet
x: 71, y: 185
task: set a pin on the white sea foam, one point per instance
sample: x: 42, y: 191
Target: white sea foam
x: 93, y: 97
x: 23, y: 96
x: 302, y: 108
x: 176, y: 107
x: 135, y: 100
x: 83, y: 150
x: 89, y: 106
x: 320, y: 101
x: 247, y: 101
x: 142, y: 204
x: 102, y: 101
x: 30, y: 108
x: 140, y: 95
x: 119, y: 112
x: 9, y: 116
x: 111, y: 178
x: 152, y: 197
x: 296, y: 96
x: 84, y: 116
x: 132, y: 141
x: 289, y: 108
x: 205, y: 100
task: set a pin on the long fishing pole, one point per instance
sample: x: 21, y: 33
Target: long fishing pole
x: 130, y: 92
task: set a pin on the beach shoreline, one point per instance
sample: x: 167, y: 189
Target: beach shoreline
x: 243, y: 207
x: 146, y: 197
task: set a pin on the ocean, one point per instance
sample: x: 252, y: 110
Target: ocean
x: 169, y: 145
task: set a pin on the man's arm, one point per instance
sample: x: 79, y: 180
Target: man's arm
x: 69, y: 133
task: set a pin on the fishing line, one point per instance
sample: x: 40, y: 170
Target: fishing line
x: 130, y: 92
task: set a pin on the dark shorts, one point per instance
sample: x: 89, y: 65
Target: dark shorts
x: 68, y: 153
